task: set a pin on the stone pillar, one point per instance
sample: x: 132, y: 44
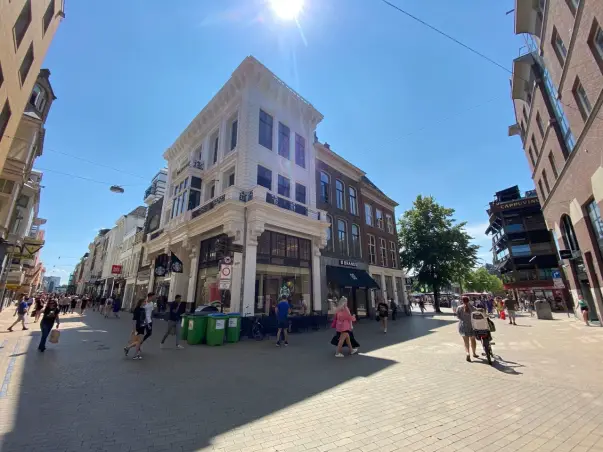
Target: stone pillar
x: 237, y: 281
x: 316, y: 281
x: 248, y: 301
x: 151, y: 276
x: 384, y: 293
x: 192, y: 275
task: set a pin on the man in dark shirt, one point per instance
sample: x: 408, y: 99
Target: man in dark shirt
x: 176, y: 309
x: 20, y: 312
x: 511, y: 305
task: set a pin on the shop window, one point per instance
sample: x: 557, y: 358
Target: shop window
x: 392, y: 254
x: 325, y: 187
x: 265, y: 134
x: 356, y: 250
x: 284, y: 186
x: 300, y: 151
x: 383, y: 250
x: 292, y: 247
x: 264, y: 243
x: 300, y: 193
x: 389, y: 287
x: 594, y: 214
x: 353, y: 200
x: 283, y: 140
x: 339, y: 194
x: 368, y: 214
x: 304, y: 249
x: 342, y: 236
x: 279, y: 244
x: 372, y: 249
x: 264, y: 177
x: 379, y: 218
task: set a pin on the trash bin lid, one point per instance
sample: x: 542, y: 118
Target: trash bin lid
x: 217, y: 315
x: 232, y: 314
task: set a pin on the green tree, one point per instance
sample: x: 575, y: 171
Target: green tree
x: 434, y: 245
x: 480, y: 280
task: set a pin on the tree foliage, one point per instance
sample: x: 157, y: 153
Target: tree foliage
x: 434, y: 246
x: 480, y: 280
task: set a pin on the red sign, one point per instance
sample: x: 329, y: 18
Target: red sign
x: 116, y: 269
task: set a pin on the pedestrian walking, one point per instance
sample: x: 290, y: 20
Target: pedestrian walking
x: 50, y: 317
x: 20, y: 313
x: 463, y: 313
x: 38, y: 308
x: 394, y: 307
x: 583, y: 309
x: 176, y: 309
x: 511, y: 305
x: 101, y: 305
x: 108, y: 306
x: 116, y: 307
x: 382, y: 314
x: 139, y: 319
x: 148, y: 311
x: 64, y: 304
x: 343, y: 325
x: 282, y: 315
x: 73, y: 304
x: 83, y: 305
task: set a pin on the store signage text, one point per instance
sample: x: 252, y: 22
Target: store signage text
x: 496, y: 207
x: 345, y: 263
x: 116, y: 269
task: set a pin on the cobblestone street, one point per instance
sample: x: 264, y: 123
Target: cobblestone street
x: 408, y: 390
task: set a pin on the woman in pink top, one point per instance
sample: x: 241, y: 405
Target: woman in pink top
x: 343, y: 325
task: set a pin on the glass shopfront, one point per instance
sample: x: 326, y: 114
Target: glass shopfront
x: 208, y: 291
x: 283, y: 268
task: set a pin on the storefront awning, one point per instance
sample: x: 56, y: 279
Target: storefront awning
x: 349, y: 277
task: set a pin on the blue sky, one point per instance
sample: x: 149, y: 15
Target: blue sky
x: 418, y: 113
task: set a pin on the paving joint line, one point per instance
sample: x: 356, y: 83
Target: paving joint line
x: 9, y: 370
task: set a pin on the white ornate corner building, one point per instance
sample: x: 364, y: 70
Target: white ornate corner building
x: 242, y: 174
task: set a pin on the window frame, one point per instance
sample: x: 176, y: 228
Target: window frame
x: 595, y: 42
x: 339, y: 194
x: 300, y: 151
x: 368, y: 215
x: 297, y: 186
x: 573, y: 6
x: 284, y: 183
x: 330, y: 233
x: 342, y: 249
x: 234, y: 132
x: 392, y: 253
x: 325, y: 187
x: 531, y: 153
x: 379, y: 221
x: 389, y: 223
x: 24, y: 68
x: 353, y: 200
x: 5, y: 115
x: 48, y: 15
x: 215, y: 145
x: 552, y: 162
x: 25, y: 11
x: 267, y: 125
x: 372, y: 246
x: 383, y: 251
x: 281, y: 137
x: 258, y: 176
x: 581, y: 98
x: 546, y: 182
x: 356, y: 247
x: 558, y: 46
x: 540, y: 124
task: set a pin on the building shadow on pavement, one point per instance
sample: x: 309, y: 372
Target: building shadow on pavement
x: 83, y: 394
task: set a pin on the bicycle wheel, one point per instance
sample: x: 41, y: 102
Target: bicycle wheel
x: 488, y: 350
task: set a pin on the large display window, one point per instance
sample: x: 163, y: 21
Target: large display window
x: 274, y: 281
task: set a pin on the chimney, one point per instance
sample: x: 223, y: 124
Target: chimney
x: 327, y: 145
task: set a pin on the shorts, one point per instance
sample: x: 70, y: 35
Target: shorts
x: 584, y: 308
x: 283, y: 323
x: 511, y: 313
x: 20, y: 317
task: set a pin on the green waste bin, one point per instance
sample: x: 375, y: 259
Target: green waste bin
x: 216, y: 326
x: 184, y: 327
x: 233, y: 327
x: 197, y: 326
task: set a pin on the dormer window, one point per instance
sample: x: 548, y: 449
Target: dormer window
x: 38, y: 98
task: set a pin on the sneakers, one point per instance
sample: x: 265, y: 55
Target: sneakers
x: 286, y: 344
x: 126, y: 351
x: 385, y: 331
x: 25, y: 328
x: 10, y: 330
x: 137, y: 357
x: 180, y: 347
x: 354, y: 351
x: 278, y: 344
x: 161, y: 346
x: 338, y: 355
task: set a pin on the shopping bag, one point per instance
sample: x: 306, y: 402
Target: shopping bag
x: 54, y: 336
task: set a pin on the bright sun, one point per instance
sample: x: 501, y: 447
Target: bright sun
x: 287, y: 9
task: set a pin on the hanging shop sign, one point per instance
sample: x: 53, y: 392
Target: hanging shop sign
x: 176, y: 264
x: 116, y: 269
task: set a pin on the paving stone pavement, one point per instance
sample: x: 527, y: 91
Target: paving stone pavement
x: 408, y: 390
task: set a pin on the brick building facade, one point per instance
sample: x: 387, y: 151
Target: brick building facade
x: 557, y: 90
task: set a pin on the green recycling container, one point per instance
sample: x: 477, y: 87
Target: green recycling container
x: 216, y: 326
x: 233, y: 327
x: 197, y: 326
x: 184, y: 327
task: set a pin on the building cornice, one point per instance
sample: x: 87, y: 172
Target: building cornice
x: 334, y: 160
x: 378, y: 197
x: 249, y: 73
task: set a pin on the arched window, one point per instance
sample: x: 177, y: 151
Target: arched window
x: 325, y: 186
x: 38, y: 98
x: 353, y: 201
x: 568, y: 234
x: 339, y: 190
x: 342, y: 236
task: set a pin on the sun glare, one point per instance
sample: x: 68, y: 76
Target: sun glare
x: 287, y: 9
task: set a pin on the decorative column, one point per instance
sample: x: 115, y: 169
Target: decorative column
x: 151, y: 276
x: 255, y: 227
x: 383, y: 287
x: 316, y: 282
x: 395, y: 289
x: 192, y: 275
